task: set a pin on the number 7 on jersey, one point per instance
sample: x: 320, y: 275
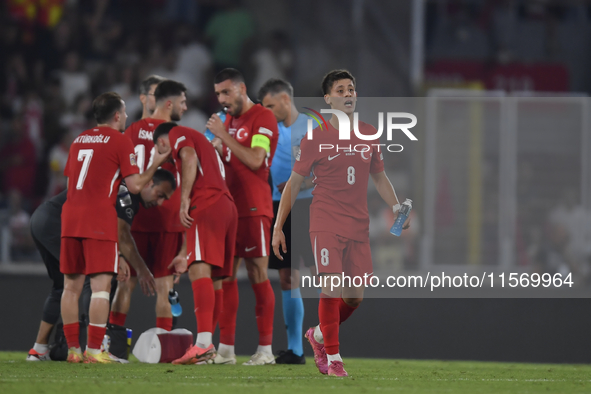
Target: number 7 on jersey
x: 86, y: 155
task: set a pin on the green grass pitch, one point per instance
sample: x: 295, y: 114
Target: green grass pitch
x: 367, y: 375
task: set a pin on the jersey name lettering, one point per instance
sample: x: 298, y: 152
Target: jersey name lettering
x: 92, y: 139
x: 145, y: 135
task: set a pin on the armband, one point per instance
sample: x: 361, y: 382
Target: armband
x: 261, y: 141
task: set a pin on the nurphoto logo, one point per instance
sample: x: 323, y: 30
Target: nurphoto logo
x: 345, y: 129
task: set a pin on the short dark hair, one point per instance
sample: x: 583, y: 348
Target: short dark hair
x: 333, y: 76
x: 105, y: 106
x: 274, y: 86
x: 228, y: 73
x: 162, y: 175
x: 148, y: 82
x: 163, y: 129
x: 168, y: 88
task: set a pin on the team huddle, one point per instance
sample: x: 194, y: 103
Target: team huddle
x: 156, y: 200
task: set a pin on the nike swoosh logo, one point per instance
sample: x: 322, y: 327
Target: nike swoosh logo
x: 189, y: 255
x: 250, y: 249
x: 333, y: 157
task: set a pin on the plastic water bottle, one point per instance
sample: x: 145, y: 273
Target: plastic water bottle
x: 175, y: 303
x: 402, y: 216
x: 129, y: 336
x: 222, y: 114
x: 106, y: 344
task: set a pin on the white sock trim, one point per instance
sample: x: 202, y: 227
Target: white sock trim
x: 334, y: 357
x: 203, y: 339
x: 318, y: 334
x: 98, y: 325
x: 40, y: 348
x: 267, y: 349
x: 226, y: 350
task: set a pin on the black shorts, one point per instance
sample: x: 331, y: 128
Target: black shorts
x: 297, y: 239
x: 46, y: 232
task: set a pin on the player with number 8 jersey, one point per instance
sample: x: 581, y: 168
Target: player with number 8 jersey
x: 339, y: 217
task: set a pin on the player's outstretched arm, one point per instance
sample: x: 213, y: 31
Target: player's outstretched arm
x: 288, y: 197
x: 129, y: 250
x: 386, y: 191
x: 190, y: 162
x: 179, y: 263
x: 253, y: 158
x: 136, y: 182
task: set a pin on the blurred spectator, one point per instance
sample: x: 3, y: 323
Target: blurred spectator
x: 274, y: 60
x: 569, y: 228
x: 194, y: 117
x: 126, y: 88
x: 182, y: 10
x: 32, y: 110
x: 17, y: 161
x: 76, y: 120
x: 195, y: 60
x: 228, y: 32
x: 22, y: 245
x: 15, y: 77
x: 58, y: 157
x: 73, y: 80
x: 54, y: 48
x: 169, y: 70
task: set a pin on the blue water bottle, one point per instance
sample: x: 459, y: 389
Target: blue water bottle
x: 222, y: 114
x: 402, y: 216
x: 175, y: 303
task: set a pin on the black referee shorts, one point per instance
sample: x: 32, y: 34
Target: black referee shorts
x: 46, y: 232
x: 297, y: 237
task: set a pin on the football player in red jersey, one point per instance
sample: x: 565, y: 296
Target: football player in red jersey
x: 99, y: 159
x: 247, y: 141
x: 339, y: 218
x: 211, y: 219
x: 147, y: 88
x: 158, y: 233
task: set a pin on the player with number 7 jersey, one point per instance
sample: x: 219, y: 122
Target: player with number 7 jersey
x: 99, y: 158
x: 98, y: 161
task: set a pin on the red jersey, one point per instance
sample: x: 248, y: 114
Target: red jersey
x: 99, y: 158
x: 251, y: 189
x: 164, y: 218
x: 339, y: 203
x: 209, y: 183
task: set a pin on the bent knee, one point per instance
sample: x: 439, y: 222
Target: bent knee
x: 353, y: 302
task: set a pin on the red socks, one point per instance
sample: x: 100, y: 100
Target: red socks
x: 117, y: 318
x: 264, y: 309
x: 217, y: 309
x: 228, y: 313
x: 95, y: 336
x: 204, y: 299
x: 345, y: 311
x: 328, y: 314
x: 72, y: 334
x: 164, y: 323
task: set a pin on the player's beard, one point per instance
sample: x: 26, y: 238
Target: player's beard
x: 175, y: 116
x: 237, y: 107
